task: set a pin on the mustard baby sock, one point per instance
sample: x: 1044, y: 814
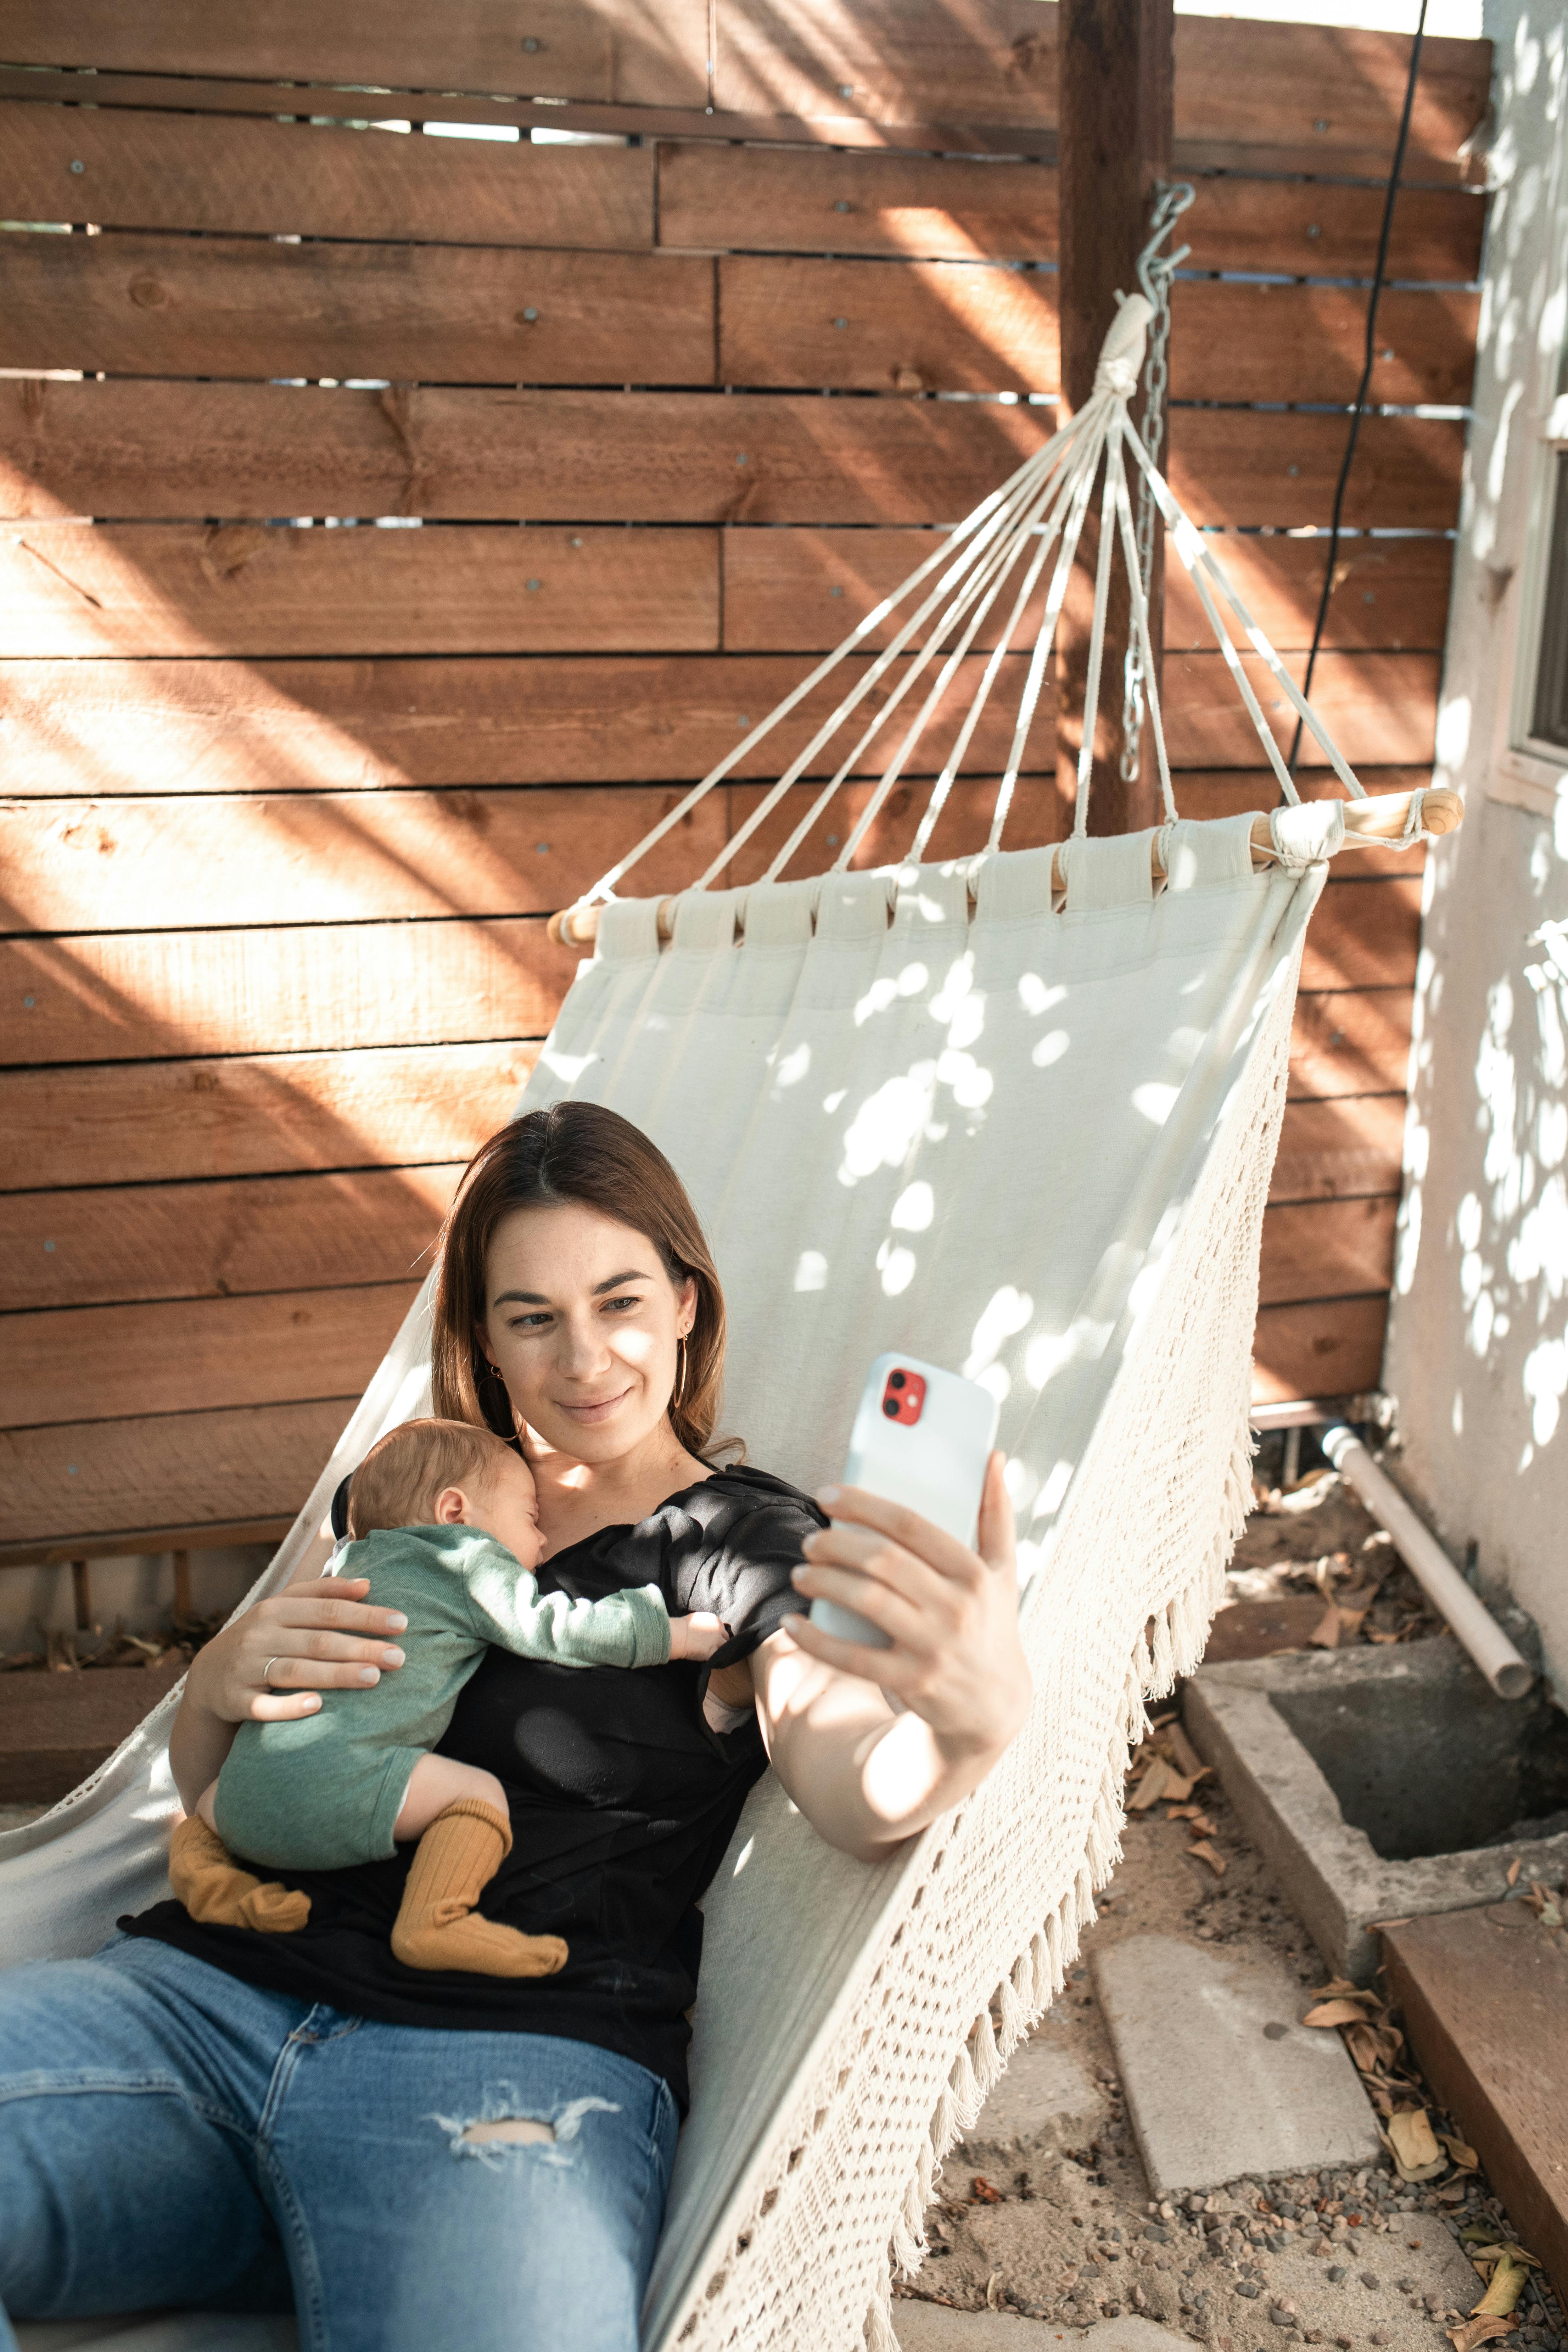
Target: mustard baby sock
x: 438, y: 1927
x: 215, y: 1890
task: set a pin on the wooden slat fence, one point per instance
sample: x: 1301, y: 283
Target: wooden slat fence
x: 654, y: 419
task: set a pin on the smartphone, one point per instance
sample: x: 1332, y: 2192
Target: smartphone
x: 921, y: 1437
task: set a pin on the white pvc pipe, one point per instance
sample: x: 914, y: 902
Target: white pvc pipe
x: 1509, y: 1674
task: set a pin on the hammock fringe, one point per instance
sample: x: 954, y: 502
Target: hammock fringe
x: 1172, y: 1646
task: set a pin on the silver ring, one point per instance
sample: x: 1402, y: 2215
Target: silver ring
x: 267, y: 1669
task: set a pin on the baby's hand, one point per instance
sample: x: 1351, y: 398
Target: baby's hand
x: 697, y: 1636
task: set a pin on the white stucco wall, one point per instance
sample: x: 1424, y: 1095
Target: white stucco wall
x: 1478, y: 1351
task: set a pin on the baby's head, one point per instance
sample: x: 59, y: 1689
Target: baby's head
x: 429, y: 1474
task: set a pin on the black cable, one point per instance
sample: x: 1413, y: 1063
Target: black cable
x: 1369, y: 358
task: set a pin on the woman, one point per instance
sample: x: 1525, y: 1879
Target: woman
x: 214, y: 2117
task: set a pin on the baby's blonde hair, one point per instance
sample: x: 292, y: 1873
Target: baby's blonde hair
x: 396, y: 1484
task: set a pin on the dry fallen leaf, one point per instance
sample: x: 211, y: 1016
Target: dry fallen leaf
x: 1341, y: 1988
x: 1335, y: 2012
x: 983, y: 2191
x: 1416, y: 2154
x: 1325, y: 1634
x: 1205, y: 1853
x: 1201, y: 1823
x: 1151, y: 1786
x: 1462, y: 2153
x: 1513, y: 1872
x: 1182, y: 1754
x: 993, y: 2292
x: 1508, y: 2281
x: 1471, y: 2332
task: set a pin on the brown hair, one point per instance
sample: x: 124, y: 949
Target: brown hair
x: 576, y: 1151
x: 396, y: 1484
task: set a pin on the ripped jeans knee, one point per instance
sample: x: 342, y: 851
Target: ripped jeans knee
x: 505, y: 2124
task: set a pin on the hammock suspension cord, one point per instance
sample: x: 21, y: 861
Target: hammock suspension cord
x: 1010, y: 537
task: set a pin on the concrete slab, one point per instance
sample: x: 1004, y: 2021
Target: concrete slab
x: 1043, y: 2102
x: 932, y: 2327
x: 1219, y: 2077
x: 1355, y: 1771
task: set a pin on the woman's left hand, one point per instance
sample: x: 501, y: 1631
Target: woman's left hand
x: 951, y: 1615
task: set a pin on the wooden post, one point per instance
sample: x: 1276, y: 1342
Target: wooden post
x: 1114, y: 145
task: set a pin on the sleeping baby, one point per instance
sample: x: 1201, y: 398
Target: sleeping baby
x: 444, y: 1521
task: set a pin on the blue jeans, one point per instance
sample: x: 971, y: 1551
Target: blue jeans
x: 171, y: 2136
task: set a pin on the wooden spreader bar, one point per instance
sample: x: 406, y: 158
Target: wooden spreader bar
x: 1382, y: 817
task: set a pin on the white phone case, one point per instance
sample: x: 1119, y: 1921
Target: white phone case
x: 935, y: 1464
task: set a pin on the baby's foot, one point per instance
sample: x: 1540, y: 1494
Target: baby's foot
x: 216, y: 1892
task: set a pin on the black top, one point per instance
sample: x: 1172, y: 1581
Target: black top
x: 622, y: 1803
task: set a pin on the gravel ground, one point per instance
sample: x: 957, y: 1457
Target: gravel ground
x: 1055, y: 2221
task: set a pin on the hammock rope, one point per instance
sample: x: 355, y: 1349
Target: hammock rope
x: 1011, y: 536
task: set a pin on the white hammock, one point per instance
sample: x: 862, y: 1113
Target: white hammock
x: 1017, y: 1113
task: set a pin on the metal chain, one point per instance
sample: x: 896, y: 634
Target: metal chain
x: 1155, y: 271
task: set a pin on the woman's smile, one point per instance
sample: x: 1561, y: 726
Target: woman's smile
x: 593, y: 1409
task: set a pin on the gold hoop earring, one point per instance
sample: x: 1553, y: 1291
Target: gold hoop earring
x: 679, y: 1397
x: 494, y: 1372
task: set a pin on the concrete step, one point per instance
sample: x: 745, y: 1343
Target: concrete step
x: 1485, y: 1998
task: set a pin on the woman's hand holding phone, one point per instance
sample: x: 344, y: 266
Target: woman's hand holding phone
x: 950, y: 1614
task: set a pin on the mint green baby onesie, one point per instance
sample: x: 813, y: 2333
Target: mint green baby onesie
x: 323, y: 1792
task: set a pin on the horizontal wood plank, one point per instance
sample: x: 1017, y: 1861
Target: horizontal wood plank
x: 1227, y: 465
x: 1380, y: 709
x: 330, y: 987
x: 788, y: 589
x: 1238, y: 343
x: 118, y: 727
x: 120, y: 447
x: 126, y: 169
x: 1328, y: 1347
x: 1326, y: 1249
x: 318, y: 987
x: 148, y: 305
x: 102, y: 1364
x: 1339, y: 1151
x: 1326, y: 88
x: 949, y: 208
x: 943, y: 326
x: 994, y: 61
x: 156, y: 1472
x: 253, y: 588
x: 254, y: 1115
x: 147, y: 1241
x: 133, y: 448
x: 886, y: 326
x: 1364, y: 935
x: 614, y: 53
x: 87, y: 866
x: 1353, y: 1042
